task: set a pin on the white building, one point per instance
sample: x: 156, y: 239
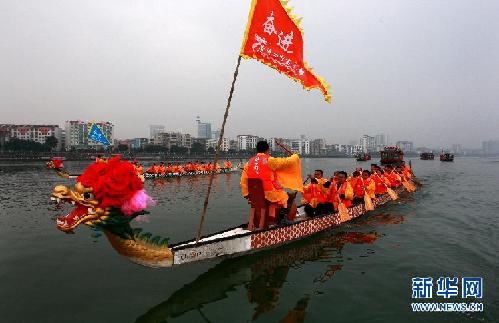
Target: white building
x: 77, y: 134
x: 247, y: 142
x: 350, y: 150
x: 154, y: 129
x: 173, y: 138
x: 272, y: 143
x: 214, y: 142
x: 36, y: 133
x: 368, y: 143
x: 300, y: 146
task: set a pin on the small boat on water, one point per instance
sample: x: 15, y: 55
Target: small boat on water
x: 363, y: 157
x: 427, y: 156
x: 446, y: 157
x: 392, y: 155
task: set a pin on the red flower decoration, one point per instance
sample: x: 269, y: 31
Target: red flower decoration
x: 57, y: 163
x: 113, y: 182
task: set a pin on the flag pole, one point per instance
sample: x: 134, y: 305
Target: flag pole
x: 217, y: 151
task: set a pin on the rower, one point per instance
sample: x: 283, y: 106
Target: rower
x: 344, y: 189
x: 152, y: 169
x: 368, y: 183
x: 392, y: 177
x: 161, y: 168
x: 314, y: 195
x: 275, y: 174
x: 227, y: 164
x: 380, y: 181
x: 358, y: 190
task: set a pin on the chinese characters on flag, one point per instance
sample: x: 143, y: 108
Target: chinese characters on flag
x: 274, y: 38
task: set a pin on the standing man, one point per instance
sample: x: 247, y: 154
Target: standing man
x: 275, y: 174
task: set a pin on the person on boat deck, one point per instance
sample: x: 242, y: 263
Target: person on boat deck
x: 344, y: 189
x: 99, y: 159
x: 161, y: 168
x: 368, y: 183
x: 315, y: 195
x: 358, y: 190
x: 227, y: 164
x: 275, y: 174
x: 392, y: 177
x: 380, y: 181
x: 152, y: 169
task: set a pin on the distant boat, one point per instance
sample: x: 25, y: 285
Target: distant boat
x: 363, y: 157
x: 392, y: 155
x: 427, y: 156
x: 446, y: 157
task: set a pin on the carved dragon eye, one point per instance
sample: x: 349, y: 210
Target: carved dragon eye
x: 88, y: 196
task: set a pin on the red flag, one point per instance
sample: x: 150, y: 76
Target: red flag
x: 273, y: 37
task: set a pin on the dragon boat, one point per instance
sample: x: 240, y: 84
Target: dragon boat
x: 171, y: 175
x: 110, y: 195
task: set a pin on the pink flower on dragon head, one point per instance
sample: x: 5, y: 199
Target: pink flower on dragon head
x: 139, y: 202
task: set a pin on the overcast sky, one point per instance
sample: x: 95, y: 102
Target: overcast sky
x: 426, y: 71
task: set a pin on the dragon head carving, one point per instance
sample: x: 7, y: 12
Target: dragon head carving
x: 106, y: 194
x: 109, y: 195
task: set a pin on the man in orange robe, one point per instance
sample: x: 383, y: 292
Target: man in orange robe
x: 275, y: 174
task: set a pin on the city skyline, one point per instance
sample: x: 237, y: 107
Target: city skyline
x: 432, y: 82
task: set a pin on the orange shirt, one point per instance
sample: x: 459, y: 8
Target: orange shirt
x: 358, y: 189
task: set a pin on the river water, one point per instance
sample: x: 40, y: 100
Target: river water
x: 359, y: 272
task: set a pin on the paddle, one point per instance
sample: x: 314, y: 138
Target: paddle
x: 393, y: 195
x: 405, y: 182
x: 342, y: 209
x: 368, y: 203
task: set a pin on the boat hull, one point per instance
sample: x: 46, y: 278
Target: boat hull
x: 239, y: 240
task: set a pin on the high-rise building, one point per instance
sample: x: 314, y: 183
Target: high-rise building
x: 368, y: 143
x: 318, y: 147
x: 457, y: 148
x: 155, y: 129
x: 381, y: 141
x: 139, y: 142
x: 77, y: 134
x: 406, y: 146
x: 300, y: 146
x: 172, y: 138
x: 247, y: 142
x: 214, y: 142
x: 215, y: 134
x: 204, y: 129
x: 490, y: 147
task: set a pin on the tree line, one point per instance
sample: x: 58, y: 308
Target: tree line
x: 15, y: 144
